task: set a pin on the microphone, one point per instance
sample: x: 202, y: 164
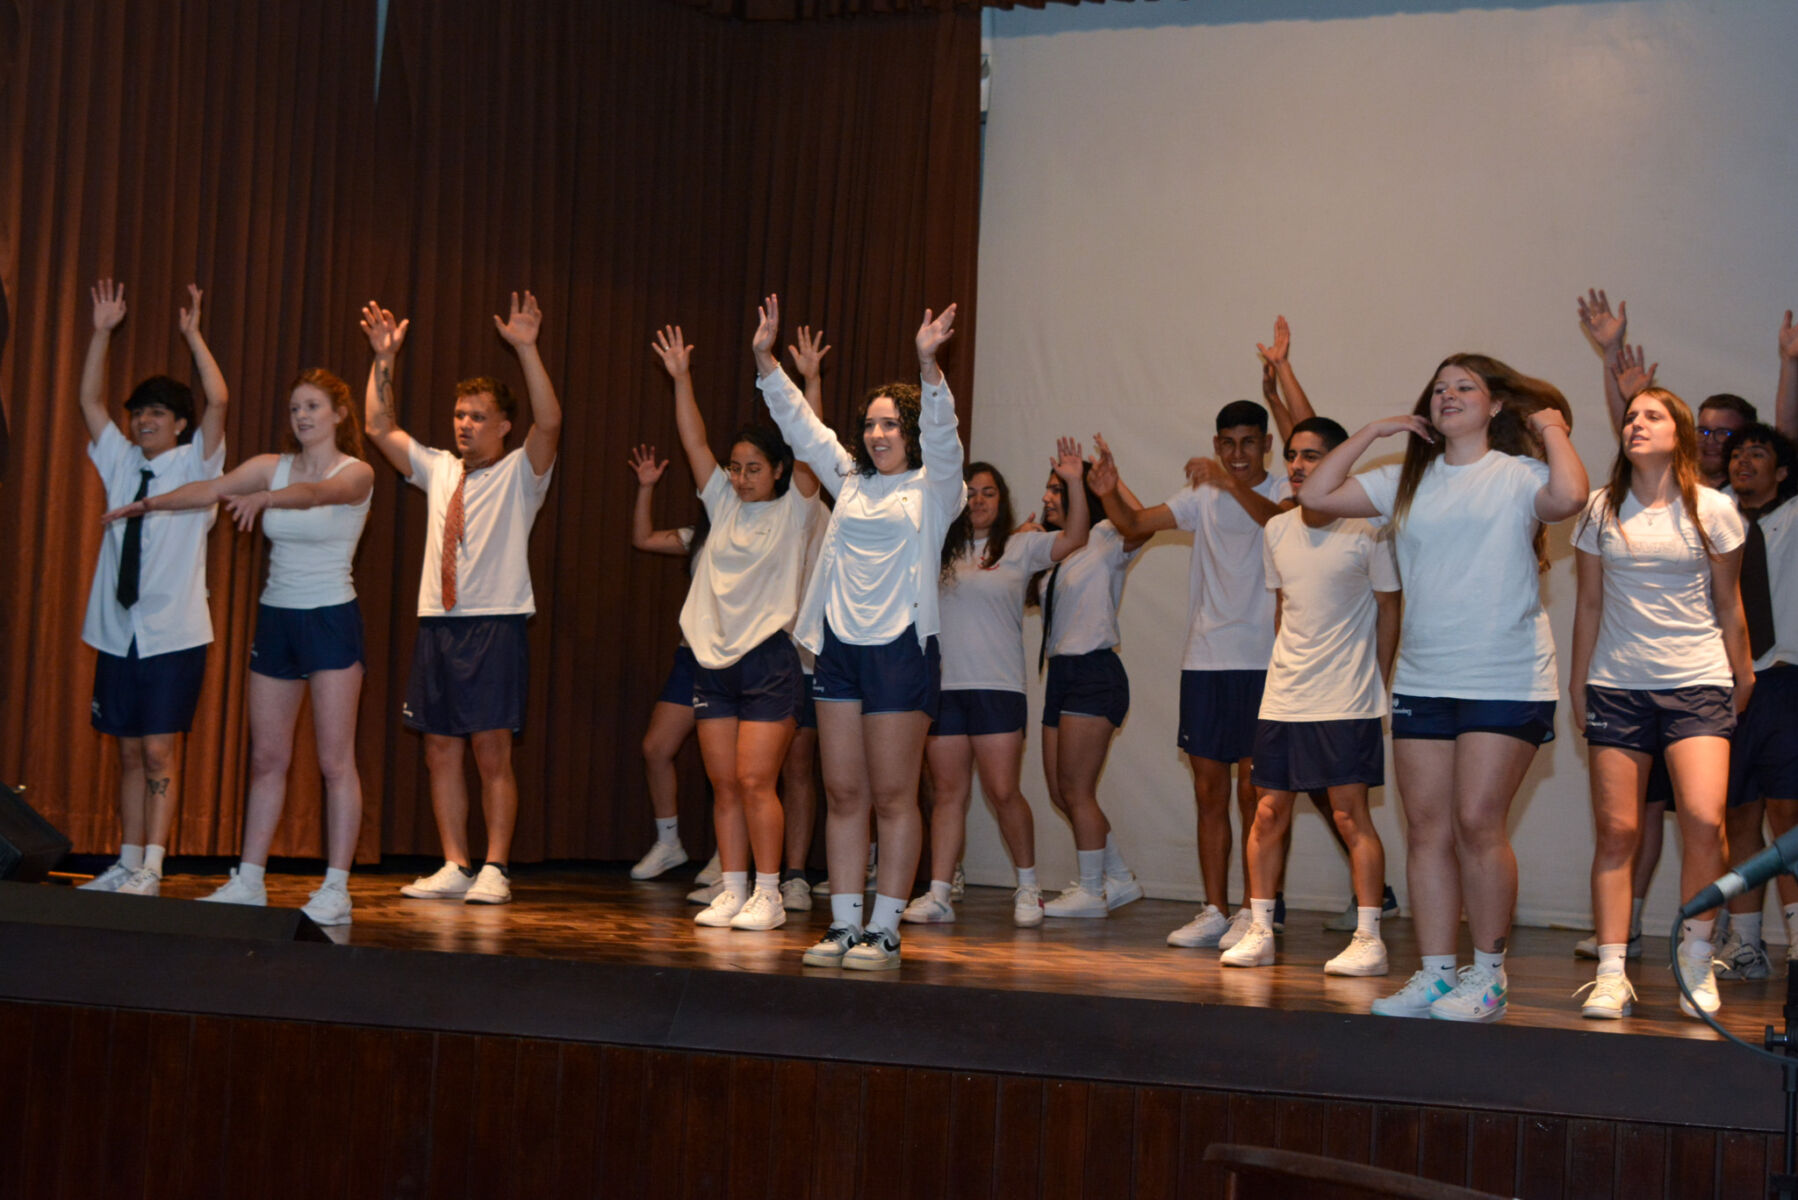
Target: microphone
x: 1778, y: 859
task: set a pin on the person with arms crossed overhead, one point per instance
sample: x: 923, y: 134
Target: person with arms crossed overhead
x: 470, y: 662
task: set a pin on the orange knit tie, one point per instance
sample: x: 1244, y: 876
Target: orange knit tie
x: 452, y: 539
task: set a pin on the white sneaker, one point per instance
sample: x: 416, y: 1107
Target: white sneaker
x: 329, y: 905
x: 705, y: 893
x: 1423, y: 989
x: 1203, y: 930
x: 877, y: 950
x: 958, y: 884
x: 712, y: 872
x: 1364, y: 955
x: 761, y: 911
x: 489, y: 887
x: 928, y: 910
x: 1699, y: 972
x: 796, y: 895
x: 1027, y: 907
x: 723, y: 908
x: 1737, y: 959
x: 1255, y: 948
x: 1478, y: 995
x: 1587, y: 947
x: 142, y: 882
x: 832, y: 946
x: 448, y: 882
x: 1610, y: 999
x: 108, y: 880
x: 663, y: 856
x: 1077, y: 902
x: 238, y: 890
x: 1240, y: 920
x: 1121, y: 890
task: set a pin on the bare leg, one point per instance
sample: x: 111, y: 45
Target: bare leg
x: 1265, y: 843
x: 1742, y: 829
x: 718, y: 747
x: 894, y: 748
x: 449, y: 794
x: 1426, y: 784
x: 1489, y: 768
x: 997, y: 758
x: 499, y: 790
x: 274, y: 708
x: 951, y: 779
x: 761, y: 748
x: 1619, y: 781
x: 159, y: 787
x: 1654, y: 833
x: 669, y: 727
x: 1211, y: 793
x: 336, y: 696
x: 848, y: 801
x: 1354, y: 827
x: 1083, y: 744
x: 799, y: 796
x: 1700, y: 770
x: 131, y: 790
x: 1248, y: 803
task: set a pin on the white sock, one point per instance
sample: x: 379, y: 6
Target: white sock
x: 767, y: 883
x: 1367, y: 921
x: 1027, y: 877
x: 1695, y: 938
x: 737, y: 883
x: 668, y: 830
x: 131, y: 857
x: 1747, y: 927
x: 153, y: 858
x: 1092, y: 870
x: 886, y: 914
x: 1610, y: 958
x: 939, y: 888
x: 333, y: 878
x: 1115, y: 866
x: 1493, y: 961
x: 1263, y: 911
x: 1441, y: 964
x: 846, y: 910
x: 251, y: 872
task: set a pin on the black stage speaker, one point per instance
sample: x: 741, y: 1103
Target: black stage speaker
x: 43, y: 904
x: 29, y: 845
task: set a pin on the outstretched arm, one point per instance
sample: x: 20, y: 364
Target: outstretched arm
x: 381, y: 414
x: 212, y: 380
x: 349, y: 486
x: 1567, y: 488
x: 109, y: 310
x: 676, y: 356
x: 808, y: 357
x: 1785, y: 403
x: 1134, y: 523
x: 1210, y: 472
x: 1606, y: 329
x: 520, y: 329
x: 938, y: 442
x: 1069, y: 466
x: 251, y: 475
x: 1331, y: 491
x: 644, y: 534
x: 1280, y: 386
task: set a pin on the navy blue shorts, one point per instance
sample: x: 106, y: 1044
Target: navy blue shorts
x: 469, y: 675
x: 142, y: 697
x: 900, y: 676
x: 1086, y: 685
x: 1219, y: 711
x: 808, y: 707
x: 1444, y: 718
x: 766, y: 684
x: 1647, y: 721
x: 1660, y: 784
x: 678, y: 689
x: 292, y: 643
x: 976, y: 712
x: 1305, y: 756
x: 1763, y: 755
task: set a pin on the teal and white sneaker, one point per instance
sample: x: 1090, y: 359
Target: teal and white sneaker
x: 1423, y: 989
x: 1478, y: 995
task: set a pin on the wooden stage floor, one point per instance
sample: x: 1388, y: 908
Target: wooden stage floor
x: 599, y: 915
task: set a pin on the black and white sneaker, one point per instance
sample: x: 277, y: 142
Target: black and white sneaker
x: 877, y: 950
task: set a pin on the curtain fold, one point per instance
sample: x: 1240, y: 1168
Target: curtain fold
x: 632, y: 164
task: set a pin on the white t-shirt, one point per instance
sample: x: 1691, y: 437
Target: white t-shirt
x: 1780, y: 529
x: 1229, y: 611
x: 747, y: 582
x: 1325, y: 664
x: 1658, y: 629
x: 1474, y: 627
x: 877, y: 572
x: 1089, y: 584
x: 499, y: 505
x: 310, y: 549
x: 983, y: 614
x: 170, y: 613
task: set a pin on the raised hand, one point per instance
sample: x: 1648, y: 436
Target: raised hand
x: 1410, y: 423
x: 1596, y: 318
x: 109, y: 305
x: 1270, y: 385
x: 932, y: 333
x: 246, y: 508
x: 768, y: 326
x: 1069, y: 464
x: 385, y: 335
x: 522, y: 324
x: 1275, y: 354
x: 1103, y: 478
x: 672, y: 348
x: 1633, y: 374
x: 808, y: 355
x: 1788, y: 338
x: 190, y: 317
x: 643, y: 462
x: 1544, y: 419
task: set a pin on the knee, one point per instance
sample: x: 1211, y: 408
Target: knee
x: 493, y: 759
x: 654, y: 751
x: 1614, y: 841
x: 1477, y: 834
x: 158, y: 756
x: 443, y: 754
x: 889, y: 803
x: 271, y: 758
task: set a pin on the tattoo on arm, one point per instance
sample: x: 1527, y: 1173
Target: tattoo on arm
x: 384, y: 394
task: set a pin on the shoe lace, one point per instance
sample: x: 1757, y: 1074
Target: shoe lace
x: 1612, y: 983
x: 1472, y: 979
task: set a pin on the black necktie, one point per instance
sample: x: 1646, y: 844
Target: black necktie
x: 133, y: 555
x: 1757, y: 589
x: 1042, y: 653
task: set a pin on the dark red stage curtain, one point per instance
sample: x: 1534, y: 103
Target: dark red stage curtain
x: 632, y: 164
x: 802, y: 10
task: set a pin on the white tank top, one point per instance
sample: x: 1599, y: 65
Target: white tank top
x: 310, y: 548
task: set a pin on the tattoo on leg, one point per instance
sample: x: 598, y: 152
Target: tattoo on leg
x: 157, y: 787
x: 1498, y: 947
